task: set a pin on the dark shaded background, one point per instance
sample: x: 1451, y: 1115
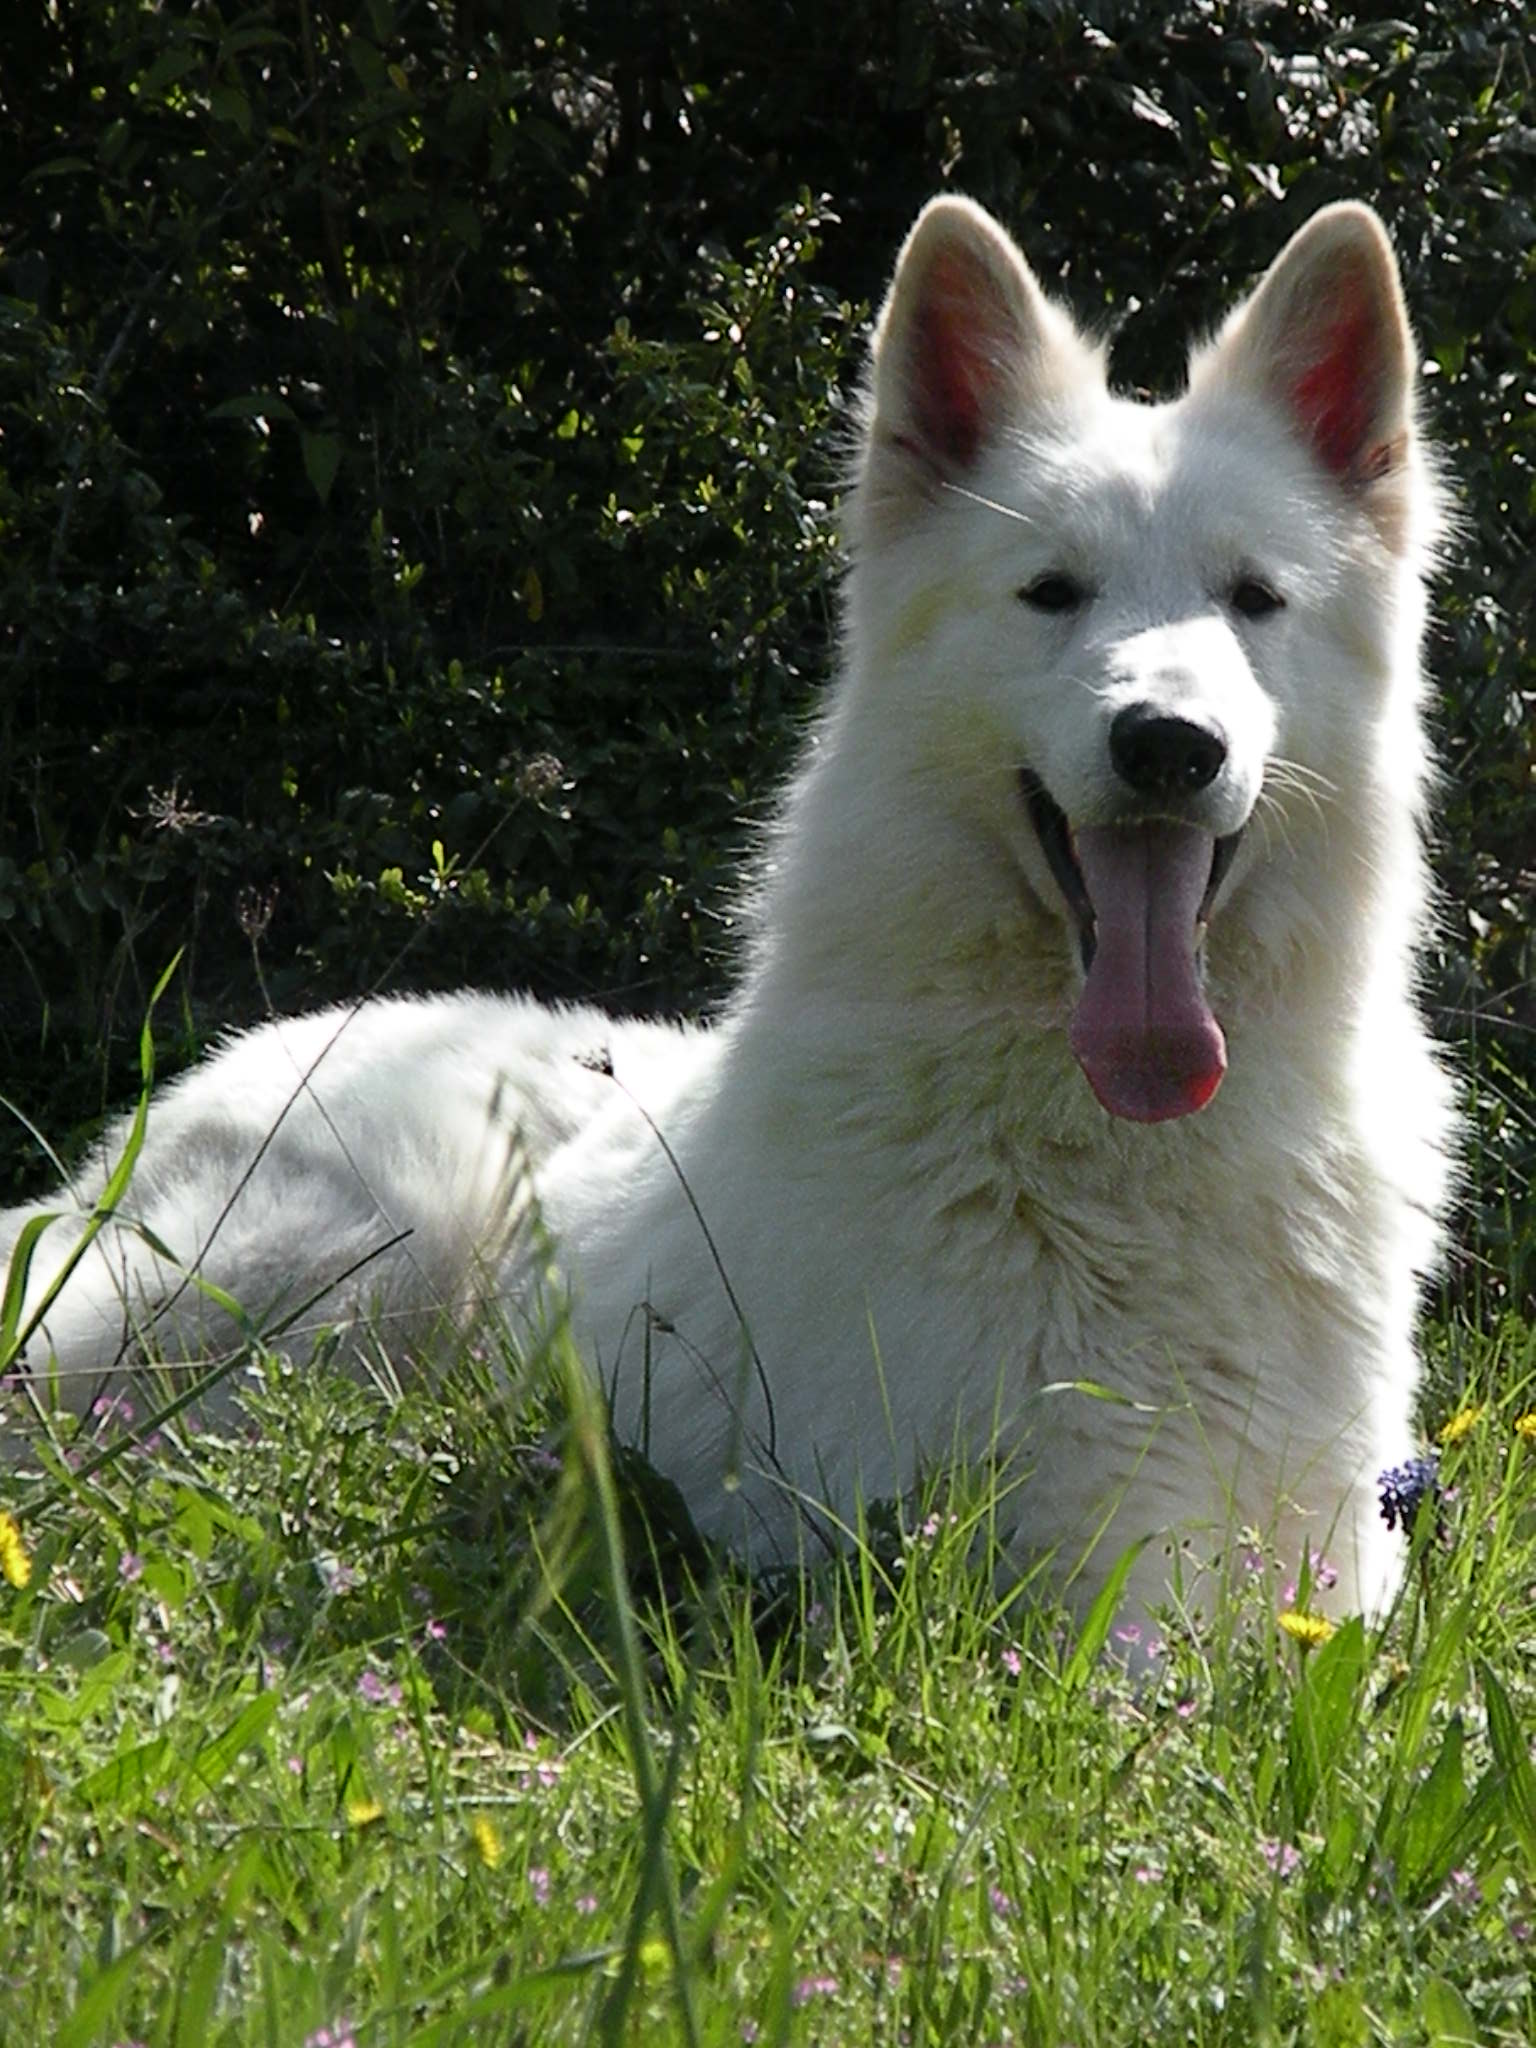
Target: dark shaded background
x: 421, y: 425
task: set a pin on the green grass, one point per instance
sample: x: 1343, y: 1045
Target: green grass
x: 374, y: 1719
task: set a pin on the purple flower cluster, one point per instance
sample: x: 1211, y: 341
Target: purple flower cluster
x: 818, y: 1985
x: 1404, y: 1489
x: 337, y: 2035
x: 1283, y: 1858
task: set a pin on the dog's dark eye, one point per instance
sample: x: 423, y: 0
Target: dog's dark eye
x: 1053, y: 593
x: 1255, y: 600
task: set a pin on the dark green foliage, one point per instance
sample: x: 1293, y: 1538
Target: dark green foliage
x: 421, y: 426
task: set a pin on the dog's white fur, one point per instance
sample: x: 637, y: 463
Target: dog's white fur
x: 927, y: 1222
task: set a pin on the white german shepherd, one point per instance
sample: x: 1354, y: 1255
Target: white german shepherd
x: 1075, y: 1039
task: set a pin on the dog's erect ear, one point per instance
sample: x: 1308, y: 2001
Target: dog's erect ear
x: 1326, y: 335
x: 966, y: 346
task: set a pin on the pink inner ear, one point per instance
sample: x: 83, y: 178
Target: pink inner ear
x: 956, y: 368
x: 1336, y: 399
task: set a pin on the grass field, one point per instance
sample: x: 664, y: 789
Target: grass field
x: 378, y: 1722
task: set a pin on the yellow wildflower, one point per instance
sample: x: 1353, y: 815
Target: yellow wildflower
x: 1463, y: 1421
x: 1307, y: 1629
x: 363, y: 1811
x: 1525, y: 1425
x: 487, y: 1840
x: 15, y: 1564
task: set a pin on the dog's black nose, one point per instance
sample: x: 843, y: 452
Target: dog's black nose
x: 1159, y: 755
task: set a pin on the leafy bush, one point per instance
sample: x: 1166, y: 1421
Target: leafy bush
x: 420, y: 425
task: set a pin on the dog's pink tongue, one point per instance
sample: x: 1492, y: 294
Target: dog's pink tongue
x: 1143, y: 1032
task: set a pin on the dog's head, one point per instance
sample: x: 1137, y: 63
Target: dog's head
x: 1173, y: 621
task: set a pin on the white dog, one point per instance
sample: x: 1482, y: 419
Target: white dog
x: 1076, y: 1038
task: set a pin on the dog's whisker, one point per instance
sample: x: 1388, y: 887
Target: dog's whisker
x: 1278, y: 786
x: 1301, y: 773
x: 988, y: 504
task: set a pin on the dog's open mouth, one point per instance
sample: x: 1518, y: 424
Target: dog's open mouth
x: 1140, y: 896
